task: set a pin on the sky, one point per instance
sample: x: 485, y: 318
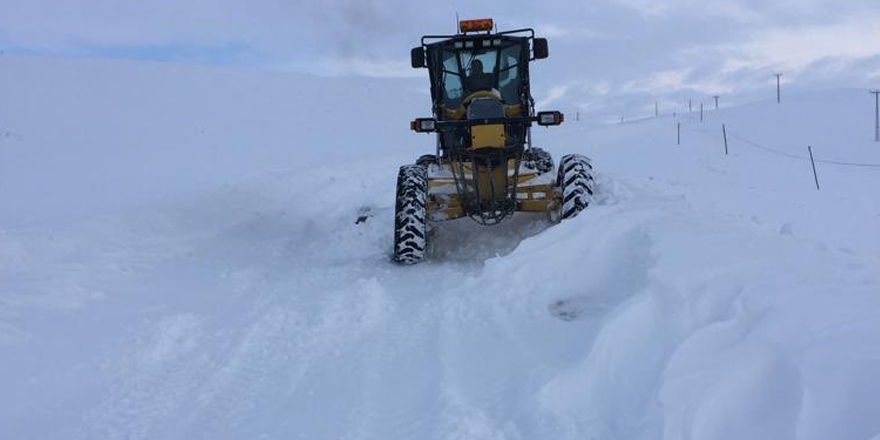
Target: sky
x: 609, y: 58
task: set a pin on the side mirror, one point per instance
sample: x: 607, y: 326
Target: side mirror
x: 539, y: 48
x: 417, y: 57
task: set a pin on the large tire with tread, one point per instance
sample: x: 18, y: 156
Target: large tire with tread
x: 575, y: 181
x: 410, y: 215
x: 538, y: 159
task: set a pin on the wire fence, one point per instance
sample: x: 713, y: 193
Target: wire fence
x: 685, y: 119
x: 779, y: 151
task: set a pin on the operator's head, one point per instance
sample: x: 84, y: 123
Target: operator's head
x: 476, y: 67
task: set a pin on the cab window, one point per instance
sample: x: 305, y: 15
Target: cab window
x: 452, y: 87
x: 508, y: 74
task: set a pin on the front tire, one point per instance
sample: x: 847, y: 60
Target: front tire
x: 575, y: 181
x: 411, y: 215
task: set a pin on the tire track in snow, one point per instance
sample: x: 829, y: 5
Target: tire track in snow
x: 153, y: 384
x: 273, y: 361
x: 404, y: 341
x: 233, y: 388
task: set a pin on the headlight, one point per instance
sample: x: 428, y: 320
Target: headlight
x: 423, y: 125
x: 550, y: 118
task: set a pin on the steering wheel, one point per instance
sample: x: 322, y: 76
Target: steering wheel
x: 460, y: 111
x: 481, y: 94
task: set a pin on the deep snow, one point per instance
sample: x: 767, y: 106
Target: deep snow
x: 179, y: 259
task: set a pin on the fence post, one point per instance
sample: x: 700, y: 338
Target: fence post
x: 678, y: 134
x: 724, y: 131
x: 815, y: 177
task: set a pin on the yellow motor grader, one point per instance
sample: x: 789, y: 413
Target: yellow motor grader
x: 485, y: 166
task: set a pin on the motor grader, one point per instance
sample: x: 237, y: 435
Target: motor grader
x: 485, y: 165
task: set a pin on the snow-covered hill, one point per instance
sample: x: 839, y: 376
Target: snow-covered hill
x: 214, y: 284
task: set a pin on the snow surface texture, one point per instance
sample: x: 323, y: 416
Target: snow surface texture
x: 213, y: 283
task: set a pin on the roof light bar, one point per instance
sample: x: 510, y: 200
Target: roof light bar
x: 483, y: 24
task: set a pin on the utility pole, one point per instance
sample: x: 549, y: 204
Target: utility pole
x: 778, y: 95
x: 656, y: 109
x: 577, y: 116
x: 876, y: 115
x: 690, y: 105
x: 701, y: 112
x: 716, y: 101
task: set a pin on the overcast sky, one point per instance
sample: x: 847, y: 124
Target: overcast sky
x: 608, y: 57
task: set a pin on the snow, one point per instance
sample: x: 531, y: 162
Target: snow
x: 179, y: 259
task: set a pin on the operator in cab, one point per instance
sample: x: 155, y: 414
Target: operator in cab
x: 478, y: 80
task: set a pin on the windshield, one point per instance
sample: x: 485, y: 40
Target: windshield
x: 467, y: 71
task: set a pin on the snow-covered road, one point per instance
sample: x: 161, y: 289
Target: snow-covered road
x: 701, y: 297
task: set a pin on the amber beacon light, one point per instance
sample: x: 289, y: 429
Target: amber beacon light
x: 483, y: 24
